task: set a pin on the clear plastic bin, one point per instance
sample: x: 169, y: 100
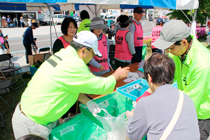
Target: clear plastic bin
x: 112, y: 117
x: 115, y: 104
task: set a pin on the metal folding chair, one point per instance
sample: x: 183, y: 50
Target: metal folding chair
x: 9, y: 70
x: 44, y: 49
x: 4, y: 85
x: 46, y: 56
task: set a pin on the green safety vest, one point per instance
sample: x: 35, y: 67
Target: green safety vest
x: 84, y: 25
x: 193, y: 77
x: 56, y: 85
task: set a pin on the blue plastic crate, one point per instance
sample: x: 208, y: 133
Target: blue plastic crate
x: 131, y: 92
x: 33, y: 70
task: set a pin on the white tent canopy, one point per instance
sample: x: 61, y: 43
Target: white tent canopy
x: 64, y: 5
x: 105, y: 4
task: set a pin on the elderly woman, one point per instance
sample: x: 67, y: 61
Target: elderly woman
x: 153, y: 113
x: 69, y: 29
x: 101, y: 65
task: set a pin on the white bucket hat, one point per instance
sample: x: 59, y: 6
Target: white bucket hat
x: 88, y: 39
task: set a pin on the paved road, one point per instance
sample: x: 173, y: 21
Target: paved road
x: 16, y: 45
x: 43, y: 38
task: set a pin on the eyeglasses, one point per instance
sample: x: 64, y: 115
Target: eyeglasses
x: 89, y: 49
x: 170, y: 49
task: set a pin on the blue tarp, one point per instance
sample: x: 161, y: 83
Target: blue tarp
x: 13, y: 6
x: 170, y: 4
x: 23, y: 6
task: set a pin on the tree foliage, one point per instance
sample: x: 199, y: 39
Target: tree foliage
x: 203, y: 12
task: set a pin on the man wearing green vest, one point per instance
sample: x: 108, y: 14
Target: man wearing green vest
x: 58, y: 84
x: 85, y: 24
x: 192, y: 68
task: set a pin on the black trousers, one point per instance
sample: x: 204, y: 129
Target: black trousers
x: 71, y: 110
x: 204, y: 126
x: 28, y: 50
x: 138, y: 53
x: 121, y: 64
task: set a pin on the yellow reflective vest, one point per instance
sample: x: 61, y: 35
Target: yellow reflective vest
x: 84, y: 25
x: 193, y: 77
x: 56, y: 85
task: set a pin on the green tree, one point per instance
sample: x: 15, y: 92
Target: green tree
x: 203, y: 12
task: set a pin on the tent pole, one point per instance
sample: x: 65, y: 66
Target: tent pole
x: 99, y: 9
x: 186, y: 16
x: 193, y: 25
x: 191, y: 14
x: 50, y: 27
x: 89, y: 8
x: 95, y: 10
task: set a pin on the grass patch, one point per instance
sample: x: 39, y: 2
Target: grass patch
x: 7, y: 133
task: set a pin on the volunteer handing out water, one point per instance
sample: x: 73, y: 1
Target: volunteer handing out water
x: 58, y: 84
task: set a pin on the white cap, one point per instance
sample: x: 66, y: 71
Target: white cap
x: 88, y: 39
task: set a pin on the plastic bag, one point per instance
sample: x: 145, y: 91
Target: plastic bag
x: 112, y: 117
x: 114, y: 126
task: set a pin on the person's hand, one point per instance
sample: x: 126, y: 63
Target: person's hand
x: 121, y: 73
x: 101, y: 68
x: 93, y: 107
x: 129, y: 113
x: 36, y: 47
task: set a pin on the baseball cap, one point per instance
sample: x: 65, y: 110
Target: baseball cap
x: 159, y: 20
x: 6, y: 35
x: 138, y: 10
x: 88, y: 39
x: 97, y: 23
x: 172, y: 31
x: 35, y: 24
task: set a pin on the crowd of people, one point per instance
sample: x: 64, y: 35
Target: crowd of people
x: 81, y: 54
x: 13, y: 22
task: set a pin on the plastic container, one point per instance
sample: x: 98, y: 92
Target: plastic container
x: 33, y: 70
x: 78, y: 128
x: 134, y: 89
x: 115, y: 104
